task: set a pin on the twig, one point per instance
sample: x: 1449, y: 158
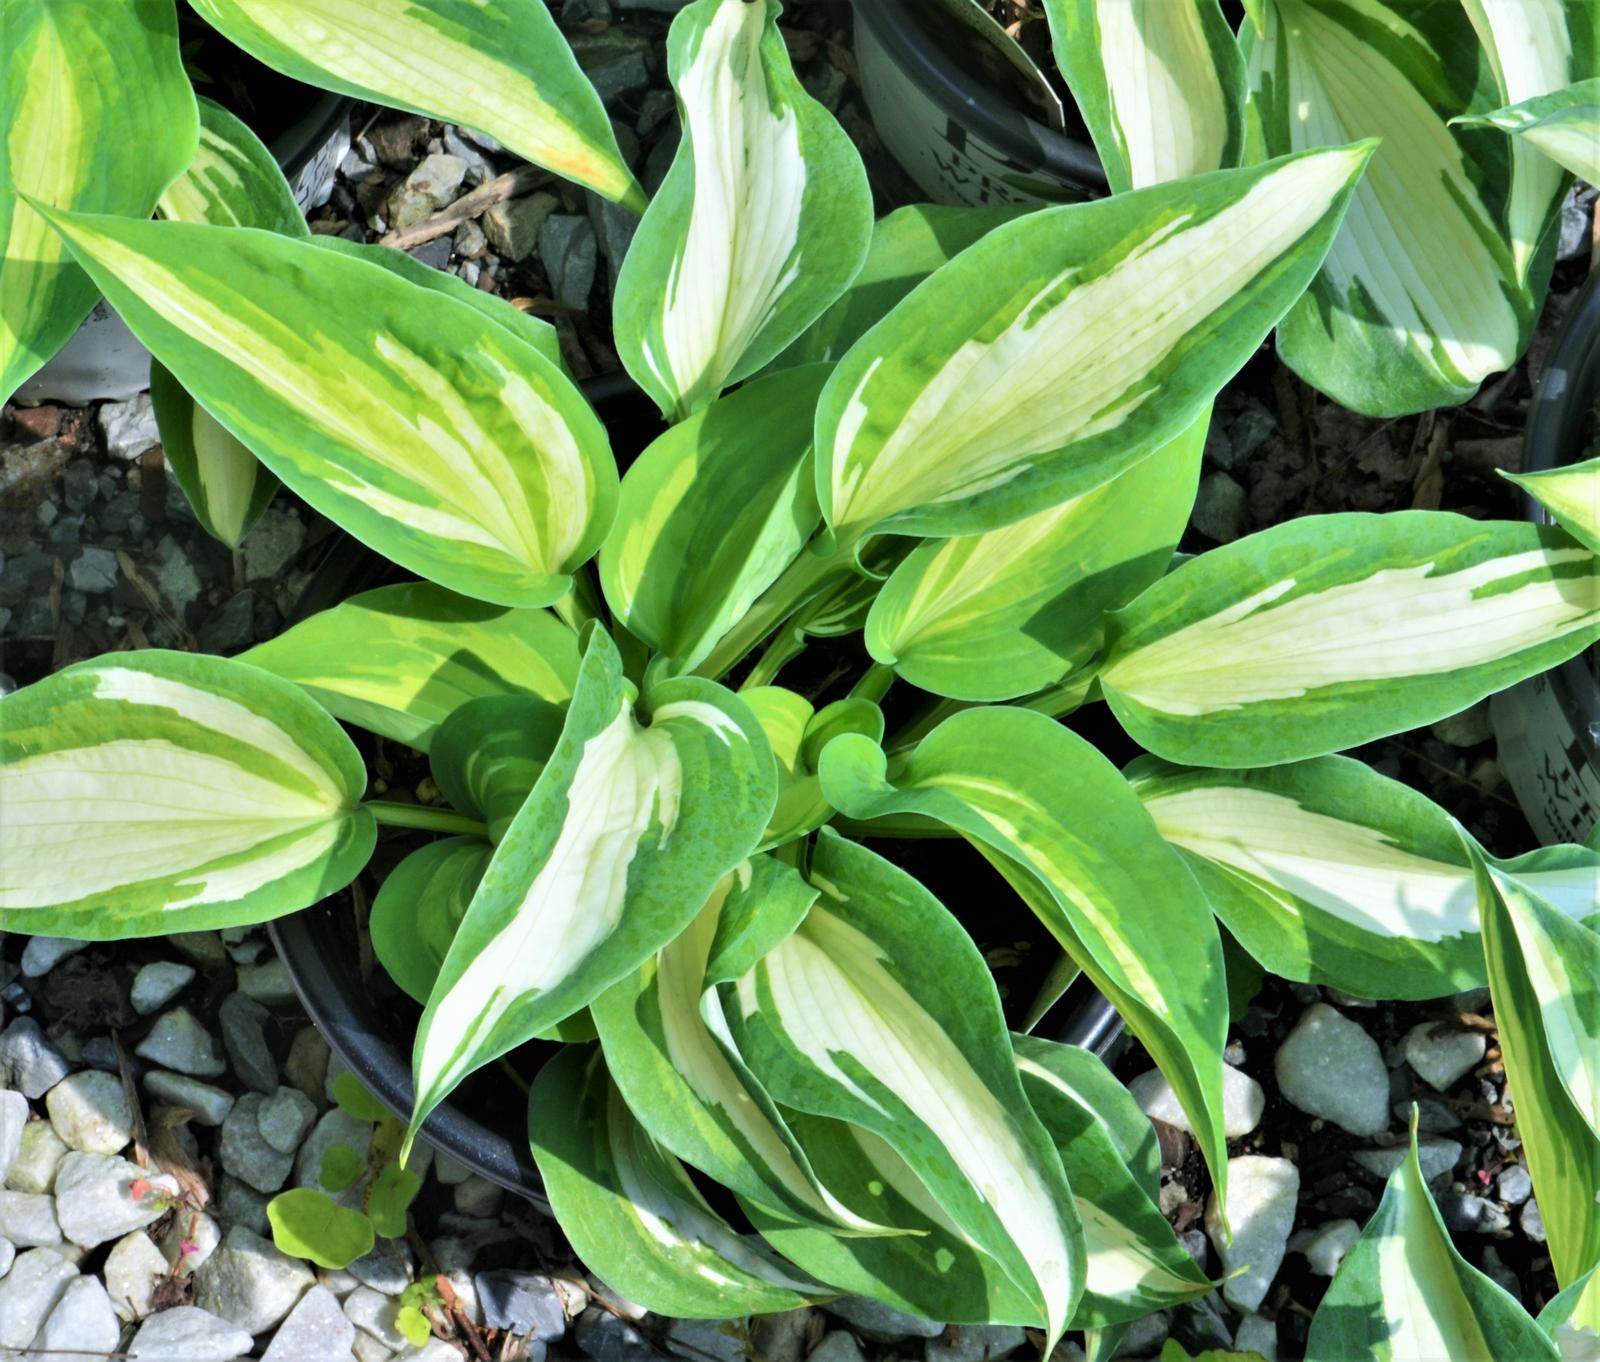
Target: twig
x: 513, y: 184
x: 141, y: 1152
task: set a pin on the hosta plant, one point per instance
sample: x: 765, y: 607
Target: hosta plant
x: 970, y: 438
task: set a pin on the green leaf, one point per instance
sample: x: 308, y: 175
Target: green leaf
x: 1161, y: 86
x: 420, y: 905
x: 1041, y: 798
x: 1571, y: 494
x: 1066, y: 346
x: 761, y: 222
x: 711, y: 514
x: 307, y: 1223
x: 352, y: 1098
x: 631, y: 1212
x: 388, y: 1197
x: 1403, y: 1293
x: 500, y: 66
x: 151, y: 792
x: 1577, y: 1342
x: 572, y: 901
x: 96, y: 114
x: 879, y: 1011
x: 413, y: 1325
x: 340, y: 1168
x: 233, y: 181
x: 488, y: 752
x: 399, y: 660
x: 1331, y: 631
x: 1564, y: 125
x: 405, y: 416
x: 1544, y: 1007
x: 1330, y: 873
x: 798, y: 734
x: 1002, y: 614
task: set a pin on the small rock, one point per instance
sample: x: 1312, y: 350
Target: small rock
x: 158, y: 983
x: 204, y: 949
x: 1442, y: 1054
x: 974, y: 1343
x: 237, y: 1204
x: 1250, y: 429
x: 267, y: 982
x: 1497, y: 1272
x: 784, y: 1335
x: 1532, y: 1221
x: 434, y: 254
x: 1467, y: 1213
x: 437, y: 1350
x: 82, y: 1322
x: 336, y: 1127
x: 1261, y: 1201
x: 1257, y: 1335
x: 129, y: 427
x: 210, y: 1105
x: 306, y: 1066
x: 284, y: 1119
x: 1470, y: 728
x: 189, y: 1333
x: 13, y: 1122
x: 133, y: 1267
x: 1435, y: 1154
x: 1144, y: 1336
x: 478, y: 1196
x: 522, y: 1302
x: 271, y: 543
x: 38, y: 1154
x: 232, y: 627
x: 881, y: 1323
x: 96, y: 1201
x: 246, y: 1154
x: 8, y: 1255
x: 449, y: 1171
x: 718, y: 1340
x: 387, y: 1268
x: 249, y: 1282
x: 374, y: 1313
x: 614, y: 227
x: 90, y: 1113
x: 175, y: 577
x: 40, y: 423
x: 29, y: 1291
x: 427, y: 189
x: 43, y: 953
x: 1327, y: 1245
x: 1514, y: 1185
x: 1330, y: 1067
x: 469, y: 242
x: 479, y: 167
x: 615, y: 61
x: 28, y: 1062
x: 1433, y: 1116
x: 28, y: 1219
x: 605, y: 1337
x: 315, y: 1331
x: 189, y: 1242
x: 178, y: 1041
x: 569, y: 254
x: 838, y: 1345
x: 512, y: 227
x: 1242, y: 1101
x: 244, y: 1036
x: 1221, y: 508
x: 93, y: 572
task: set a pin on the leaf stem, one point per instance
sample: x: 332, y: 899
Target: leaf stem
x: 874, y: 683
x: 786, y: 645
x: 396, y: 815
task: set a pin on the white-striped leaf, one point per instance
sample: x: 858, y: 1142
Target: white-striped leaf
x: 631, y: 1212
x: 500, y: 66
x: 400, y: 659
x: 761, y: 222
x: 996, y: 615
x: 1545, y: 1012
x: 1563, y: 125
x: 1571, y: 495
x: 1421, y: 296
x: 95, y: 114
x: 879, y: 1011
x: 233, y: 181
x: 1403, y: 1293
x: 797, y: 734
x: 488, y: 753
x: 666, y: 1045
x: 1160, y: 84
x: 1066, y: 346
x: 419, y: 906
x: 1330, y: 873
x: 153, y: 792
x: 711, y: 514
x: 1031, y: 792
x: 1334, y: 630
x: 433, y: 435
x: 621, y: 841
x: 1562, y: 1315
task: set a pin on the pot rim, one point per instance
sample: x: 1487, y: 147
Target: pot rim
x: 294, y: 147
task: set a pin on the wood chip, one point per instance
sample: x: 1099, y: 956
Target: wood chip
x: 512, y: 185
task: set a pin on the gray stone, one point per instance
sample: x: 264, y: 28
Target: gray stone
x: 94, y: 572
x: 284, y: 1118
x: 1262, y: 1193
x: 315, y: 1331
x: 189, y: 1242
x: 1470, y: 728
x: 306, y: 1066
x: 1494, y: 1268
x: 1468, y: 1213
x: 232, y: 627
x: 95, y: 1198
x: 246, y: 1154
x: 448, y: 1171
x: 29, y: 1292
x: 1257, y: 1335
x: 90, y: 1113
x: 615, y: 60
x: 1242, y: 1101
x: 1250, y: 429
x: 387, y: 1268
x: 1433, y: 1116
x: 838, y: 1345
x: 614, y: 225
x: 38, y: 1154
x: 336, y: 1127
x: 178, y: 1041
x: 1435, y: 1154
x: 437, y: 1350
x: 513, y: 227
x: 175, y: 577
x: 367, y: 1349
x: 1514, y: 1185
x: 974, y: 1343
x: 249, y: 1282
x: 267, y: 982
x: 271, y: 543
x: 1144, y: 1336
x: 374, y: 1313
x: 1330, y: 1067
x: 784, y: 1335
x: 522, y: 1302
x: 28, y: 1219
x: 8, y: 1255
x: 469, y: 242
x: 129, y: 427
x: 133, y: 1267
x: 479, y: 167
x: 427, y: 189
x: 1324, y: 1248
x: 478, y: 1196
x: 157, y: 984
x: 706, y: 1340
x: 210, y: 1105
x: 605, y: 1337
x: 244, y: 1036
x: 569, y: 254
x: 434, y: 254
x: 43, y: 953
x: 82, y: 1322
x: 204, y: 949
x: 1532, y: 1222
x: 1440, y: 1054
x: 13, y: 1121
x: 1577, y: 224
x: 1221, y: 508
x: 881, y: 1323
x: 189, y: 1333
x: 28, y: 1062
x: 237, y: 1204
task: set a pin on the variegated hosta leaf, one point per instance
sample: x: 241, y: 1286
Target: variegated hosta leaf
x: 1403, y: 1293
x: 1334, y: 630
x: 879, y: 1011
x: 1571, y: 495
x: 433, y: 435
x: 666, y: 1046
x: 233, y: 181
x: 1066, y: 346
x: 712, y: 513
x: 1330, y: 873
x: 798, y: 734
x: 1160, y: 84
x: 95, y: 114
x: 1022, y: 786
x: 996, y: 615
x: 488, y: 753
x: 1395, y: 322
x: 419, y: 906
x: 761, y: 222
x: 612, y: 855
x: 1563, y: 1314
x: 500, y: 66
x: 1549, y: 1028
x: 153, y: 792
x: 401, y: 659
x: 1563, y: 125
x: 631, y: 1212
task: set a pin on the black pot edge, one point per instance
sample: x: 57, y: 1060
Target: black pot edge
x: 294, y: 147
x: 895, y: 24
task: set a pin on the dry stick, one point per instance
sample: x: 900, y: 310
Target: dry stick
x: 513, y: 184
x: 141, y: 1152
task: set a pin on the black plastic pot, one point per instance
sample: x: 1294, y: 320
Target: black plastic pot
x: 961, y: 140
x: 1548, y: 728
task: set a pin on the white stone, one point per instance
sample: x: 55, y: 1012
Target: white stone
x: 29, y: 1292
x: 1325, y: 1247
x: 1330, y: 1067
x: 449, y: 1171
x: 367, y: 1349
x: 190, y: 1334
x: 1242, y: 1101
x: 157, y: 984
x: 250, y: 1282
x: 89, y: 1111
x: 374, y: 1313
x: 130, y: 427
x: 82, y: 1322
x: 34, y: 1168
x: 8, y: 1255
x: 337, y: 1127
x: 1435, y: 1154
x: 434, y: 1350
x: 284, y: 1118
x: 478, y: 1196
x: 190, y: 1242
x: 43, y: 953
x: 1257, y: 1335
x: 210, y: 1105
x: 315, y: 1331
x: 133, y: 1267
x: 267, y: 982
x: 28, y: 1219
x: 1441, y: 1054
x: 1261, y: 1203
x: 95, y: 1199
x: 178, y: 1041
x: 13, y: 1117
